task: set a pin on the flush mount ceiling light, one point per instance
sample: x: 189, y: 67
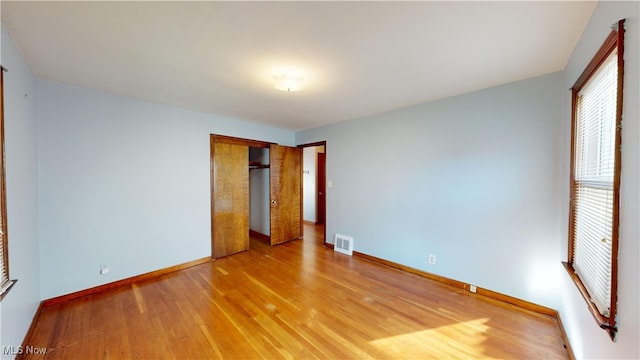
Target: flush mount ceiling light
x: 286, y: 82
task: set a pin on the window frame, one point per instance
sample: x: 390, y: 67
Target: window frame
x: 5, y: 283
x: 614, y: 41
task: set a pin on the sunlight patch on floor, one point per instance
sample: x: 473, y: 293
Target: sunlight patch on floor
x: 456, y: 340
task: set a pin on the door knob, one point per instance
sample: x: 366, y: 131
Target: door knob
x: 274, y: 202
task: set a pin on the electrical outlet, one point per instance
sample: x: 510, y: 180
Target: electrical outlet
x: 472, y: 288
x: 432, y: 259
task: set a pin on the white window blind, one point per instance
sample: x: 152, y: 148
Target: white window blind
x: 4, y: 261
x: 593, y: 182
x: 4, y: 278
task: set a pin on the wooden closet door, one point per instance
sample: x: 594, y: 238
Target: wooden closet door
x: 230, y: 203
x: 286, y: 193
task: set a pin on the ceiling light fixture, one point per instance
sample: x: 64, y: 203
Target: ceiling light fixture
x: 286, y: 82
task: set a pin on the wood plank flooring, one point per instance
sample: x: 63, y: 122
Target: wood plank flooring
x: 298, y: 300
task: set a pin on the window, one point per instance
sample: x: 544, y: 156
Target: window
x: 5, y: 283
x: 595, y: 180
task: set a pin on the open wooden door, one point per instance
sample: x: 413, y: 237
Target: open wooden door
x: 286, y: 193
x: 321, y: 184
x: 230, y: 198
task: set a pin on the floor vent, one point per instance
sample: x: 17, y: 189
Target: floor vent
x: 343, y: 244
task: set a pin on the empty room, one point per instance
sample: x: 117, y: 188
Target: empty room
x: 320, y: 180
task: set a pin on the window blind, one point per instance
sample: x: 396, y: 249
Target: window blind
x: 593, y: 182
x: 4, y: 278
x: 4, y: 261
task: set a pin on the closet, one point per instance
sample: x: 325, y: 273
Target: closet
x: 237, y: 204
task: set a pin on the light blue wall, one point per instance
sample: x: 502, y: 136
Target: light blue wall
x: 474, y: 179
x: 124, y: 183
x: 19, y: 306
x: 587, y: 339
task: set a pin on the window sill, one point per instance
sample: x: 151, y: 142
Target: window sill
x: 6, y: 288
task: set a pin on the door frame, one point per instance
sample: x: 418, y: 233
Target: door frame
x: 213, y: 138
x: 314, y: 144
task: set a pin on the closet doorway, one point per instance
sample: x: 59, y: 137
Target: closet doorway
x: 314, y: 186
x: 232, y: 203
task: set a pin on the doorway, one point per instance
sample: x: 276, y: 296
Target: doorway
x: 314, y: 188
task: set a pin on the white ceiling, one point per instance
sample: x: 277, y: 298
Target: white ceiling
x: 358, y: 58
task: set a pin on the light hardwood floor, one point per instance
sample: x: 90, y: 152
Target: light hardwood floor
x: 299, y: 300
